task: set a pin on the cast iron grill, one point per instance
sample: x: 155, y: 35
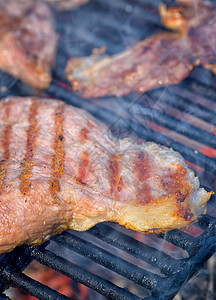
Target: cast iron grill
x: 181, y: 116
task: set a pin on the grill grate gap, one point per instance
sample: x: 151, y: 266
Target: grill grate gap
x: 30, y: 286
x: 62, y: 265
x: 185, y: 105
x: 137, y: 249
x: 103, y: 257
x: 103, y: 272
x: 142, y: 112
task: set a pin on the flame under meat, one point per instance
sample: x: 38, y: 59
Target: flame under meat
x: 60, y: 169
x: 164, y: 58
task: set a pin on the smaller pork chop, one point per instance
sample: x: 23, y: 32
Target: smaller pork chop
x: 162, y: 59
x: 28, y: 41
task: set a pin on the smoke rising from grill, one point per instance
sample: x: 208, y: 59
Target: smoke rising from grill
x: 147, y: 117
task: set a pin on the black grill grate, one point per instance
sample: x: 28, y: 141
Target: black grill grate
x: 181, y: 116
x: 174, y: 272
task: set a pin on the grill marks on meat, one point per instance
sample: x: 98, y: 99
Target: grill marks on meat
x: 28, y: 41
x: 83, y: 167
x: 115, y: 178
x: 28, y: 162
x: 84, y: 158
x: 163, y: 59
x: 61, y: 169
x: 6, y: 147
x: 176, y: 184
x: 59, y: 156
x: 6, y: 142
x: 142, y: 171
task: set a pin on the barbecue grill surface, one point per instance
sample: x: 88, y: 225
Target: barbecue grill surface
x: 181, y: 116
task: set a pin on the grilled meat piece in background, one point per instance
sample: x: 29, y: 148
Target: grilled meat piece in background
x: 163, y: 59
x: 60, y: 169
x: 67, y: 4
x: 28, y: 41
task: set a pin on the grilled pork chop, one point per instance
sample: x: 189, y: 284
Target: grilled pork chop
x: 60, y: 169
x: 163, y: 59
x: 28, y: 41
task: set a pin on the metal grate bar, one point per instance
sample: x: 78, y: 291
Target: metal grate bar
x: 192, y: 94
x: 137, y: 249
x: 69, y: 269
x: 108, y: 260
x: 206, y: 221
x: 30, y: 286
x: 205, y: 81
x: 174, y: 124
x: 182, y: 240
x: 185, y: 105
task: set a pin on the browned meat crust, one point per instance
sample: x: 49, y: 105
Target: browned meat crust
x: 163, y: 59
x: 60, y: 169
x: 27, y: 41
x: 67, y: 4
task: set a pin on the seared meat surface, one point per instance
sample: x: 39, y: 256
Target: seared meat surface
x: 67, y: 4
x: 163, y: 59
x: 60, y: 169
x: 28, y: 41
